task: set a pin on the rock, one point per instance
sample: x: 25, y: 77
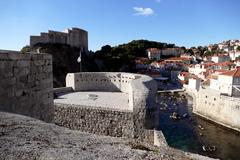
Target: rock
x: 49, y: 141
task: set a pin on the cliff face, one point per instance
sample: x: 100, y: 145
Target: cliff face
x: 64, y: 60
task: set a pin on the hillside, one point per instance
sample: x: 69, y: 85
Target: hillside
x: 120, y: 58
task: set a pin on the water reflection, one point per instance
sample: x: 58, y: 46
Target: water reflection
x: 191, y: 133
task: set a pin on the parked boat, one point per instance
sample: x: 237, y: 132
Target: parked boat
x: 200, y: 127
x: 174, y: 116
x: 209, y: 148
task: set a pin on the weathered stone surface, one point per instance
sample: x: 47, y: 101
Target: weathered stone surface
x: 24, y: 138
x: 95, y: 120
x: 22, y: 78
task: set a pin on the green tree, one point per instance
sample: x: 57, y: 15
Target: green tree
x: 25, y: 49
x: 238, y: 48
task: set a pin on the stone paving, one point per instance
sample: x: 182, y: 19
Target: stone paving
x: 112, y: 100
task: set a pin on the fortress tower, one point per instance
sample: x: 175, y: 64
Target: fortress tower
x: 74, y: 37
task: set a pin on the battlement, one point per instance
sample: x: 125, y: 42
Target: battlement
x: 74, y: 37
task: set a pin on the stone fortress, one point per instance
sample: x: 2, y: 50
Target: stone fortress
x: 114, y: 104
x: 74, y: 37
x: 107, y: 103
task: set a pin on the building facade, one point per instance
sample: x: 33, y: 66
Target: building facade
x: 220, y: 58
x: 154, y: 53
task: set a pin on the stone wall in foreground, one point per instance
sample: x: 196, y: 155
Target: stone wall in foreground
x: 95, y: 120
x: 26, y: 84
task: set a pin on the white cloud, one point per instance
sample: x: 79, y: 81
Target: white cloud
x: 158, y: 1
x: 143, y: 11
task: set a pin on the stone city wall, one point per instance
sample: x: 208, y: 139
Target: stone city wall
x: 95, y: 120
x: 140, y: 88
x: 218, y: 108
x: 26, y: 84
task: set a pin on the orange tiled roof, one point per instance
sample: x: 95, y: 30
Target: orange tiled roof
x: 232, y: 73
x: 178, y: 59
x: 208, y: 64
x: 141, y: 60
x: 184, y: 73
x: 220, y: 55
x: 227, y: 63
x: 221, y: 70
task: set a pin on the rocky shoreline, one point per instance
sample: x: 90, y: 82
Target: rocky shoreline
x: 23, y: 137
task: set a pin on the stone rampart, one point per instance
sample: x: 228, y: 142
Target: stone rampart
x: 218, y: 108
x: 95, y: 120
x: 26, y: 84
x: 132, y: 123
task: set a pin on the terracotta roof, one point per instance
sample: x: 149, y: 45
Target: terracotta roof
x: 227, y: 63
x: 184, y: 74
x: 178, y: 59
x: 141, y: 60
x: 220, y: 71
x: 220, y: 55
x: 232, y: 73
x: 208, y: 64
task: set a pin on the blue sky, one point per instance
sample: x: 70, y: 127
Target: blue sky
x: 183, y: 22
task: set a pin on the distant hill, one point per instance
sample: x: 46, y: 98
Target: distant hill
x: 120, y: 58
